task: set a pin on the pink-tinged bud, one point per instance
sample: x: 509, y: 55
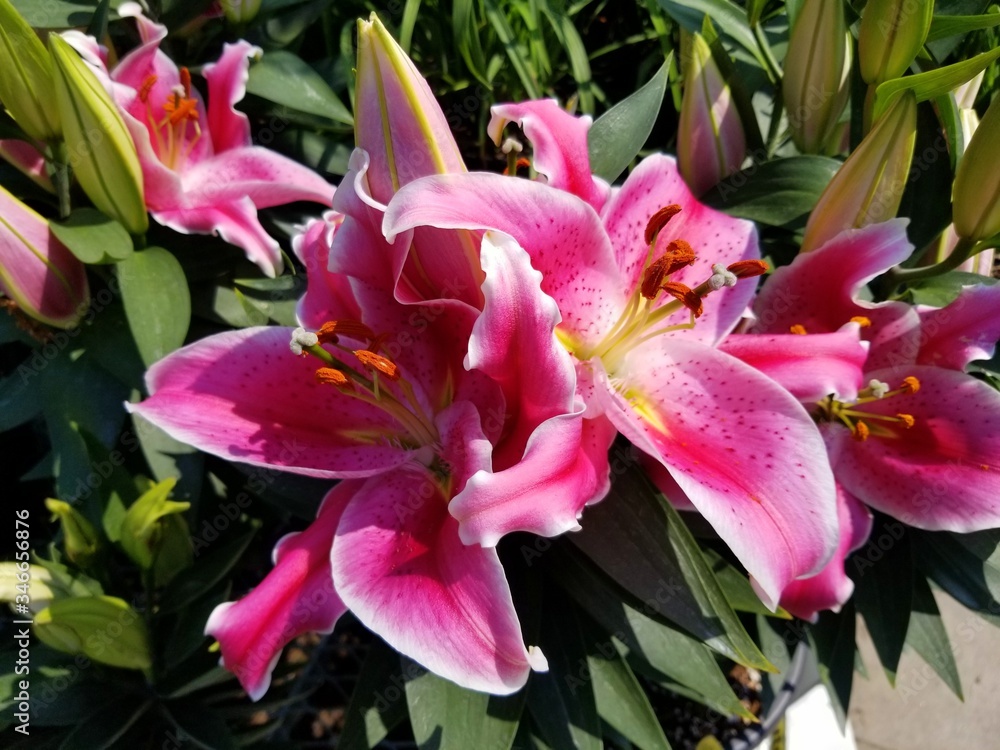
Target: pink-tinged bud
x: 37, y: 271
x: 976, y: 194
x: 710, y: 140
x: 816, y: 83
x: 26, y: 81
x: 891, y: 35
x: 868, y: 187
x: 397, y: 120
x: 28, y: 160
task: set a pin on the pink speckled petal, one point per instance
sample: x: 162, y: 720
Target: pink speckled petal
x: 244, y: 396
x: 964, y: 331
x: 296, y: 597
x: 944, y: 472
x: 328, y: 295
x: 743, y: 450
x: 227, y: 84
x: 400, y: 567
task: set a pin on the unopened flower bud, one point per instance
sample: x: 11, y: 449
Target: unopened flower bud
x: 103, y: 628
x: 891, y: 35
x: 26, y: 81
x: 41, y: 584
x: 101, y: 150
x: 976, y: 195
x: 868, y: 187
x: 241, y: 11
x: 80, y: 538
x: 154, y: 535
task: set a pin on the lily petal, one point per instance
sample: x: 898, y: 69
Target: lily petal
x: 831, y: 588
x: 227, y: 84
x: 941, y: 474
x: 562, y: 235
x: 810, y: 367
x: 328, y: 295
x: 244, y: 396
x: 400, y: 567
x: 964, y: 331
x: 296, y: 597
x: 559, y: 145
x: 742, y: 449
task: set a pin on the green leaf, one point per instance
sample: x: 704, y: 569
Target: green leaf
x: 640, y: 541
x: 943, y: 27
x: 168, y: 458
x: 562, y: 701
x: 942, y: 290
x: 98, y: 26
x: 445, y: 716
x: 780, y: 193
x: 104, y: 728
x: 728, y: 16
x: 284, y: 78
x: 378, y: 703
x: 18, y: 401
x: 157, y: 302
x: 932, y: 83
x: 509, y: 40
x: 617, y: 136
x: 927, y: 636
x: 736, y: 586
x: 58, y: 14
x: 93, y: 237
x: 207, y: 571
x: 201, y: 726
x: 832, y: 639
x: 755, y: 9
x: 959, y: 564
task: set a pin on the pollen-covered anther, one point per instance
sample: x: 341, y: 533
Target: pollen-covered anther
x: 798, y: 329
x: 512, y: 145
x: 861, y: 431
x: 747, y: 269
x: 146, y: 87
x: 910, y: 385
x: 330, y: 331
x: 907, y: 420
x: 332, y: 376
x: 302, y: 339
x: 721, y: 276
x: 685, y: 295
x: 377, y: 362
x: 862, y: 321
x: 659, y: 220
x: 185, y: 75
x: 878, y: 388
x: 677, y: 255
x: 522, y: 162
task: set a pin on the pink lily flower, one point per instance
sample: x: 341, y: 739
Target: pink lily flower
x: 628, y: 286
x: 43, y: 278
x: 908, y: 432
x: 201, y: 172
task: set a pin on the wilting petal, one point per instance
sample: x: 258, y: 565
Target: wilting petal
x: 296, y: 597
x: 941, y: 474
x: 562, y: 235
x: 810, y: 367
x: 818, y: 291
x: 558, y: 143
x: 743, y: 450
x: 328, y: 295
x: 831, y: 588
x: 963, y: 331
x: 400, y: 567
x: 236, y: 223
x: 714, y: 237
x: 227, y: 84
x: 564, y: 468
x: 244, y: 396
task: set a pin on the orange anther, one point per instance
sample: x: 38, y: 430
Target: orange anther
x: 684, y: 294
x: 677, y: 255
x: 910, y: 385
x: 378, y: 363
x: 861, y: 432
x: 330, y: 331
x: 522, y: 162
x: 181, y: 109
x: 798, y: 330
x: 331, y: 376
x: 659, y: 220
x: 146, y: 87
x: 862, y: 321
x: 186, y: 82
x: 907, y: 419
x: 747, y: 269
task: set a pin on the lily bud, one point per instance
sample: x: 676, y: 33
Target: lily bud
x: 241, y: 11
x: 26, y: 83
x: 891, y: 35
x: 868, y: 187
x: 28, y: 160
x: 80, y: 538
x: 101, y: 150
x: 976, y: 205
x: 154, y: 536
x: 816, y: 83
x: 710, y: 140
x: 397, y: 120
x: 43, y: 585
x: 37, y: 271
x: 103, y: 628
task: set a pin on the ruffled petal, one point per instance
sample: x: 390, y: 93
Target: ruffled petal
x: 743, y: 450
x: 558, y: 146
x: 296, y: 597
x: 964, y: 331
x: 328, y: 295
x: 227, y: 84
x: 941, y: 474
x: 244, y: 396
x: 562, y: 235
x: 831, y: 588
x: 809, y: 367
x: 400, y: 567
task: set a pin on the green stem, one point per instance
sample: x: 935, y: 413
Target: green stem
x: 60, y: 177
x: 964, y: 250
